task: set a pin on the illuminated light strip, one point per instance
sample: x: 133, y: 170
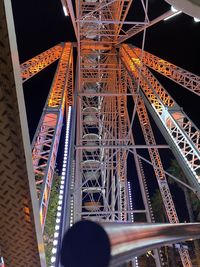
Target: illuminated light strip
x: 72, y: 205
x: 61, y: 192
x: 65, y: 11
x: 130, y: 202
x: 173, y: 15
x: 132, y: 216
x: 196, y: 19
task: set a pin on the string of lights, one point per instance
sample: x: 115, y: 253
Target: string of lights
x: 135, y: 260
x: 61, y: 191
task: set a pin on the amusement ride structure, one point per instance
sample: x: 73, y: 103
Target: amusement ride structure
x: 114, y: 87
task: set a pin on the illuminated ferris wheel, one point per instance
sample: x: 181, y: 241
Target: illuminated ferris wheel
x: 113, y: 100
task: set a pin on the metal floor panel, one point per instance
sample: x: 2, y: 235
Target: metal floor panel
x: 20, y: 232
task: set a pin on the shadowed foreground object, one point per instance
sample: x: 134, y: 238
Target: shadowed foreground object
x: 85, y: 244
x: 91, y: 244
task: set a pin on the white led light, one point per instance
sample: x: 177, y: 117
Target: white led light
x: 196, y: 19
x: 56, y: 235
x: 54, y: 250
x: 57, y: 227
x: 53, y: 259
x: 58, y: 220
x: 55, y: 242
x: 65, y: 11
x: 60, y: 197
x: 173, y: 9
x: 59, y: 208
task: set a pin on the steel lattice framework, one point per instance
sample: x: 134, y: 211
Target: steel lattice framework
x: 183, y: 77
x: 46, y: 140
x: 99, y: 131
x: 182, y: 131
x: 100, y: 175
x: 34, y: 65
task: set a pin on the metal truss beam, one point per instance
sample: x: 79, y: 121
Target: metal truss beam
x: 47, y: 136
x: 142, y: 179
x: 166, y: 173
x: 158, y: 169
x: 98, y: 20
x: 159, y: 172
x: 183, y: 134
x: 122, y: 146
x: 34, y: 65
x: 100, y: 180
x: 98, y: 8
x: 140, y: 27
x: 99, y: 72
x: 111, y: 185
x: 183, y: 77
x: 112, y: 22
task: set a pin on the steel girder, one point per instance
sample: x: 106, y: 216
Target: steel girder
x: 159, y: 173
x: 183, y: 134
x: 100, y: 168
x: 47, y: 136
x: 34, y: 65
x: 99, y: 192
x: 97, y: 21
x: 154, y: 154
x: 183, y: 77
x: 142, y: 181
x: 142, y: 26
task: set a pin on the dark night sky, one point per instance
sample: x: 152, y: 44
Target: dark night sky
x: 42, y: 24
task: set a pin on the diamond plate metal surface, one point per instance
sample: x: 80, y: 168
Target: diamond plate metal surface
x: 20, y: 238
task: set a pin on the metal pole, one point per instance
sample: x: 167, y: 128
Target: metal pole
x: 110, y: 244
x: 121, y: 146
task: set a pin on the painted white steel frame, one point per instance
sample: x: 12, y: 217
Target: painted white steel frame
x: 154, y: 154
x: 183, y: 77
x: 141, y: 27
x: 99, y: 193
x: 47, y: 136
x: 34, y: 65
x: 102, y: 169
x: 182, y: 131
